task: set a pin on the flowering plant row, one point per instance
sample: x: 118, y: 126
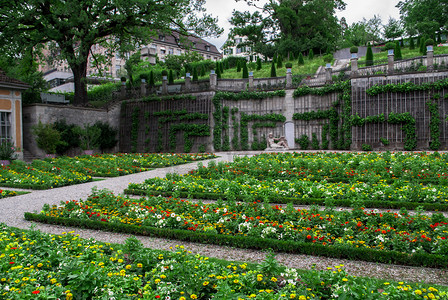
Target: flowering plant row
x: 112, y: 165
x: 368, y: 167
x: 39, y: 175
x: 41, y: 266
x: 248, y: 188
x: 357, y: 228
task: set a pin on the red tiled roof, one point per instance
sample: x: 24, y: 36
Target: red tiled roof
x: 200, y: 44
x: 6, y: 81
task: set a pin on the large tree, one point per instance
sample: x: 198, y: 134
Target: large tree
x: 424, y: 17
x: 291, y: 24
x: 74, y: 26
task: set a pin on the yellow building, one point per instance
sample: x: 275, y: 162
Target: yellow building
x: 11, y: 111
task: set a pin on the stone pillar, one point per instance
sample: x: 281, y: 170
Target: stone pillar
x: 354, y: 64
x: 288, y: 78
x: 213, y: 80
x: 164, y: 85
x: 430, y: 58
x: 187, y: 82
x: 123, y: 90
x: 143, y: 88
x: 390, y: 62
x: 328, y: 78
x: 251, y: 81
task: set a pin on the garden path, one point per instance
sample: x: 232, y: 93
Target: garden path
x: 13, y: 209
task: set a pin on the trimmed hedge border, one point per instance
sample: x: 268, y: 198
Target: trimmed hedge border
x: 245, y: 242
x: 37, y: 187
x: 302, y: 201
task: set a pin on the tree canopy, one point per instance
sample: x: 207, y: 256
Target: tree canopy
x: 294, y: 25
x: 424, y: 17
x: 74, y: 26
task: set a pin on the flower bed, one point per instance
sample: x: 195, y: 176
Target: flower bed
x: 300, y: 191
x: 40, y: 266
x: 7, y: 193
x: 369, y: 167
x: 39, y: 175
x: 385, y: 237
x: 112, y: 165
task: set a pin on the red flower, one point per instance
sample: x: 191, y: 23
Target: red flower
x: 157, y: 297
x: 308, y: 237
x: 35, y: 292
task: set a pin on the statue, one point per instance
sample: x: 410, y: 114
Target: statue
x: 280, y: 144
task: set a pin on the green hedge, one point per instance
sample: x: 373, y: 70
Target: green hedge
x: 245, y: 242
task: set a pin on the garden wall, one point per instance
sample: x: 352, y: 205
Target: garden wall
x: 48, y: 114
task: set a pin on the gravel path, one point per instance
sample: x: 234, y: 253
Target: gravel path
x: 13, y: 208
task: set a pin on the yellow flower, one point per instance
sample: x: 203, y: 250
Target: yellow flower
x: 273, y: 279
x: 205, y: 283
x: 431, y: 296
x: 302, y: 297
x: 128, y: 267
x: 162, y: 276
x: 182, y: 298
x: 292, y: 296
x: 344, y: 279
x: 139, y: 265
x: 193, y: 296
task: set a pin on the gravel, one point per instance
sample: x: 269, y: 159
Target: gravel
x: 13, y: 209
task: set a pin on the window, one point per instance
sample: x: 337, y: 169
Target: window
x: 178, y: 52
x: 162, y: 51
x: 162, y: 38
x: 5, y: 126
x: 238, y: 50
x: 194, y: 45
x: 207, y: 48
x: 170, y: 51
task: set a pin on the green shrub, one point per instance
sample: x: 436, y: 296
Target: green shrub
x: 245, y: 70
x: 353, y: 49
x: 69, y: 139
x: 7, y: 151
x: 288, y: 65
x: 328, y: 58
x: 314, y: 142
x: 108, y: 136
x: 303, y: 141
x: 411, y: 43
x: 384, y: 141
x: 429, y: 42
x: 389, y: 46
x: 47, y: 137
x: 259, y: 67
x: 366, y: 147
x: 88, y: 136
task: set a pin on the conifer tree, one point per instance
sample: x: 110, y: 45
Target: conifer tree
x: 411, y: 43
x: 279, y: 61
x: 245, y: 70
x: 397, y: 51
x: 301, y: 60
x: 170, y: 77
x: 311, y: 55
x: 151, y: 78
x: 258, y: 64
x: 195, y: 74
x: 238, y: 66
x: 221, y: 67
x: 218, y: 72
x: 273, y: 71
x: 369, y: 56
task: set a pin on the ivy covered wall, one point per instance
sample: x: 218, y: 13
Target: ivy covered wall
x: 406, y: 112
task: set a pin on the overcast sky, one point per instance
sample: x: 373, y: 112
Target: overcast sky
x: 355, y: 11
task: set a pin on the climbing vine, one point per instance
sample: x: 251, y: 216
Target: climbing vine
x: 407, y: 87
x: 235, y: 125
x: 306, y: 90
x: 225, y: 128
x: 246, y: 95
x: 168, y: 116
x: 271, y: 119
x: 217, y: 116
x: 405, y: 119
x: 134, y: 128
x: 434, y: 123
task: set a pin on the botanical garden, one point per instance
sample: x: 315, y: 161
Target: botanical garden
x: 383, y: 207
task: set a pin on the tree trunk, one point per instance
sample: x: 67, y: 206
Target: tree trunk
x: 79, y: 75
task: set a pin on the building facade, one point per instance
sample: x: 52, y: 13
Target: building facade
x: 11, y: 111
x: 162, y: 45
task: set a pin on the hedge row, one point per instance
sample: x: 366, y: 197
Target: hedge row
x: 245, y: 242
x: 302, y: 201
